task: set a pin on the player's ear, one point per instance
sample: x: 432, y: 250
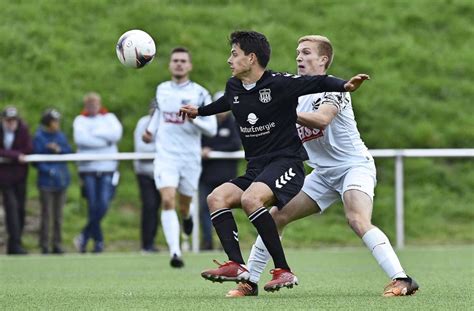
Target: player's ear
x: 252, y: 58
x: 324, y: 59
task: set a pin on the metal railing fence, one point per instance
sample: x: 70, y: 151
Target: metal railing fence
x: 398, y: 154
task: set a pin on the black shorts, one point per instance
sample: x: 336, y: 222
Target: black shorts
x: 284, y: 176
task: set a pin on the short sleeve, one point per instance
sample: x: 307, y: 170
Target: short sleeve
x: 340, y: 100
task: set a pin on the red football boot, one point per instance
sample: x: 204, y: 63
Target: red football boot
x: 281, y: 278
x: 229, y: 271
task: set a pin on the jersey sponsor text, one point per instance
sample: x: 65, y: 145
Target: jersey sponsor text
x: 172, y: 117
x: 256, y: 131
x: 307, y: 134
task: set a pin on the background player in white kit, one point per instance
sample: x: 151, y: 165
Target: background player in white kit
x: 178, y: 147
x: 343, y: 169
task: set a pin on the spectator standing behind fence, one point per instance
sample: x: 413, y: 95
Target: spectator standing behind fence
x: 216, y: 172
x: 149, y: 194
x: 53, y: 179
x: 96, y: 131
x: 15, y: 143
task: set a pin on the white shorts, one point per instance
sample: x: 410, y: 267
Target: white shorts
x: 177, y: 173
x: 327, y: 185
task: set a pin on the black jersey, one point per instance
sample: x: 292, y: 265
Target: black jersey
x: 266, y: 114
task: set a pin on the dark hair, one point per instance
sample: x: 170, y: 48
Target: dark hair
x: 48, y: 116
x: 253, y: 42
x: 181, y: 49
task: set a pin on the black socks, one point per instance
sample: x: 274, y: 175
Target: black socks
x: 263, y: 221
x: 226, y: 229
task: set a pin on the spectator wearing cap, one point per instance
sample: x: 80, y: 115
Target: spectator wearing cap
x: 15, y: 143
x: 96, y: 131
x: 53, y: 179
x: 149, y: 194
x: 216, y: 172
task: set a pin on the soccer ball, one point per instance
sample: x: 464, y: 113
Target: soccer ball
x: 135, y: 48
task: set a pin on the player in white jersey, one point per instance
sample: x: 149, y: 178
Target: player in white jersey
x: 343, y: 170
x: 178, y: 147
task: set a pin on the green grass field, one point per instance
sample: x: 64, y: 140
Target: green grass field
x: 344, y: 278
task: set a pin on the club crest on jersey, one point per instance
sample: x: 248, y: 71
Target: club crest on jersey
x: 185, y: 102
x: 265, y: 95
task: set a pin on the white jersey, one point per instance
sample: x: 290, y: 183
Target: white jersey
x: 339, y: 143
x: 175, y: 137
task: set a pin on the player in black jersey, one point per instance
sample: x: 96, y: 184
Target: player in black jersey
x: 264, y: 105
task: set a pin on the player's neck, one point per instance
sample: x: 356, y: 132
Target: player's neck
x: 253, y: 76
x: 317, y: 73
x: 180, y: 80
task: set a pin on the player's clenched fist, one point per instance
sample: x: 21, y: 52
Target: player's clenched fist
x: 188, y: 110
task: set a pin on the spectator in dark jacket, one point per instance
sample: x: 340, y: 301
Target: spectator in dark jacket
x: 15, y: 143
x: 216, y: 172
x: 53, y: 178
x: 149, y: 195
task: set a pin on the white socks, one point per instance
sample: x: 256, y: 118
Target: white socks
x: 170, y: 223
x: 374, y: 239
x: 258, y: 259
x: 378, y: 243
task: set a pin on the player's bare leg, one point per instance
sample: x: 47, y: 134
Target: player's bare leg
x: 220, y: 202
x: 170, y: 223
x: 299, y: 207
x: 358, y: 209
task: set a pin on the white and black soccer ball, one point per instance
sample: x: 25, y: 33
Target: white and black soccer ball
x: 135, y: 48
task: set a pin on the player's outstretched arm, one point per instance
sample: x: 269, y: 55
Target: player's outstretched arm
x: 188, y: 110
x: 318, y: 119
x: 220, y: 105
x: 355, y: 82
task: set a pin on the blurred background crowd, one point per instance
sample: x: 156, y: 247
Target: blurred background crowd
x: 96, y: 131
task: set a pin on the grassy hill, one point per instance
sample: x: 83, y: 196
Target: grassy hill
x: 417, y: 53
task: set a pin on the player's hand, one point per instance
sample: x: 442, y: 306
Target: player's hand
x: 22, y: 158
x: 147, y: 137
x: 188, y: 110
x: 205, y: 152
x: 355, y: 82
x: 54, y: 147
